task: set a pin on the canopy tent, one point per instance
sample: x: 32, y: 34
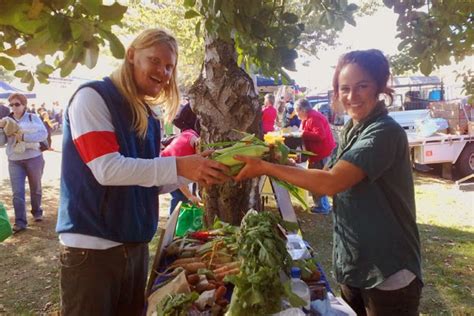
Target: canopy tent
x: 265, y: 81
x: 6, y: 90
x: 415, y: 81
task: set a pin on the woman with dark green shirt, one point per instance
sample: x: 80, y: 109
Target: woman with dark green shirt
x: 376, y: 243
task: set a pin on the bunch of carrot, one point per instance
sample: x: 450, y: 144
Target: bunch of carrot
x: 217, y: 256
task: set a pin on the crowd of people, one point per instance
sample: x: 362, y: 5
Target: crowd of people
x: 316, y: 135
x: 114, y: 168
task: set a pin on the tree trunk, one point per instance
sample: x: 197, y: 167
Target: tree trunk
x: 224, y: 99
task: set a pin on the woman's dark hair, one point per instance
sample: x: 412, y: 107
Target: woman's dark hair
x: 373, y: 62
x: 186, y: 119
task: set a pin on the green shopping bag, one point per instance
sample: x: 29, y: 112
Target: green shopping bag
x: 5, y: 227
x: 189, y: 219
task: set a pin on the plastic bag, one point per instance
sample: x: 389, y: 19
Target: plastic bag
x: 430, y: 126
x: 189, y: 219
x: 5, y: 227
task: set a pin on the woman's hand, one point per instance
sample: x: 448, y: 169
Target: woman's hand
x: 200, y: 169
x: 254, y: 167
x: 3, y: 123
x: 19, y: 136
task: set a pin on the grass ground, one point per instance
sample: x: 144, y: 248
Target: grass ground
x: 29, y: 277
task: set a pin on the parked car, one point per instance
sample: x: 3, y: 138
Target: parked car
x: 321, y: 103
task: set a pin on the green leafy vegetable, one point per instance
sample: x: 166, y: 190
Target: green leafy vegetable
x: 176, y: 304
x: 258, y: 289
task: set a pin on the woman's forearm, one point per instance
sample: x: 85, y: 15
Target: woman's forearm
x: 341, y: 177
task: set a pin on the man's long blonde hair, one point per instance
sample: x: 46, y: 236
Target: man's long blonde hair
x: 124, y: 81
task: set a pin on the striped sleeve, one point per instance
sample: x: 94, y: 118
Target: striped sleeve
x: 94, y: 138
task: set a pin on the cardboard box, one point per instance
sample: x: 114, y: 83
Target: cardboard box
x: 450, y: 110
x: 470, y: 128
x: 447, y: 114
x: 457, y: 126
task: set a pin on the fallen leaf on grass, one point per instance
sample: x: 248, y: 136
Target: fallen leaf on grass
x: 48, y: 305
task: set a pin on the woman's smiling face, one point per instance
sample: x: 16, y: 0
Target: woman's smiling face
x: 357, y: 92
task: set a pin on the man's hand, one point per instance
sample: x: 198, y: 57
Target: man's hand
x: 200, y: 169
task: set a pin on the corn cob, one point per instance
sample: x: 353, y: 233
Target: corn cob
x: 230, y: 148
x: 227, y: 158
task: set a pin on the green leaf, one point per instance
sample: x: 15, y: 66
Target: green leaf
x: 227, y: 10
x: 293, y: 190
x: 403, y: 44
x: 76, y: 29
x: 41, y: 44
x: 27, y: 77
x: 189, y: 3
x: 352, y: 7
x: 294, y: 299
x: 31, y: 83
x: 388, y: 3
x: 20, y: 73
x: 42, y: 78
x: 59, y: 29
x: 114, y: 12
x: 92, y: 6
x: 44, y: 68
x: 426, y: 67
x: 284, y: 151
x: 67, y: 65
x: 350, y: 20
x: 7, y: 63
x: 197, y: 29
x: 330, y: 18
x: 191, y: 14
x: 116, y: 47
x: 289, y: 18
x: 443, y: 56
x: 13, y: 52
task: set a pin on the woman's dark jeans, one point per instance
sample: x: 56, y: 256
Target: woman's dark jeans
x: 374, y: 302
x: 20, y: 170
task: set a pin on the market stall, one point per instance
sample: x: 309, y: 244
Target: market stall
x: 238, y: 271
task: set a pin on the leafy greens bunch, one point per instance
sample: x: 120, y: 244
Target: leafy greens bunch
x: 258, y: 289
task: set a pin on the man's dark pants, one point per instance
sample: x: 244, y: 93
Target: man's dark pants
x: 104, y: 282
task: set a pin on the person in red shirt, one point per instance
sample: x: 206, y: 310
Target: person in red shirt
x: 184, y: 144
x: 318, y: 139
x: 269, y: 114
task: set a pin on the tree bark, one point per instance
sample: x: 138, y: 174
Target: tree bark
x: 224, y: 99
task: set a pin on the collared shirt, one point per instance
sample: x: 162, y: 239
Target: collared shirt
x: 375, y: 223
